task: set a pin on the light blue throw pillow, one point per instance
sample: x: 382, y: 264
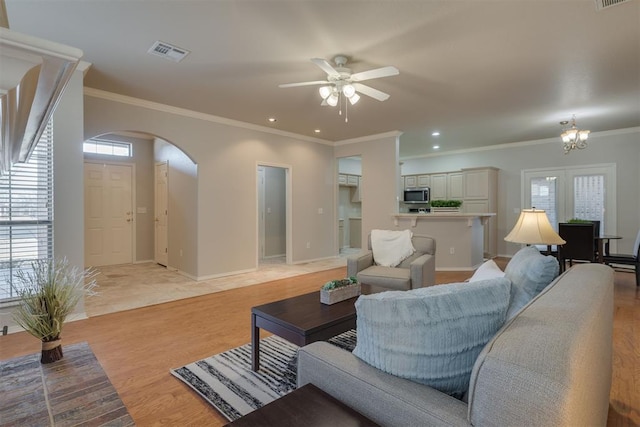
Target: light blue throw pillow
x: 530, y: 272
x: 431, y: 335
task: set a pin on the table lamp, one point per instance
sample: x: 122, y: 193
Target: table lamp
x: 533, y: 228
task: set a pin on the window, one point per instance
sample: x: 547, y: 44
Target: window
x: 26, y: 214
x: 107, y: 147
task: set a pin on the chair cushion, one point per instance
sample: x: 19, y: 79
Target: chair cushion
x: 529, y: 272
x: 431, y: 335
x: 387, y: 277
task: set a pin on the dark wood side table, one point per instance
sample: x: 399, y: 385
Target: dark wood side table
x: 307, y: 406
x: 300, y: 320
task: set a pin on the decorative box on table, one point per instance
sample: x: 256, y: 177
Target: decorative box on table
x: 339, y: 290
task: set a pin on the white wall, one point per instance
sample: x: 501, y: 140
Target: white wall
x: 227, y: 155
x: 621, y: 147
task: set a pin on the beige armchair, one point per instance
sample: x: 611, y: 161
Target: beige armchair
x: 417, y: 271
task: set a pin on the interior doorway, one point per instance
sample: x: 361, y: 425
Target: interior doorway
x: 109, y: 226
x: 349, y: 205
x: 161, y: 214
x: 274, y: 207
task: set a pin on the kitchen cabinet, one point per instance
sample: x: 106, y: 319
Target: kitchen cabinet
x: 410, y: 181
x: 340, y: 233
x: 352, y: 180
x: 424, y: 180
x: 439, y: 186
x: 481, y: 196
x: 355, y: 232
x: 356, y: 193
x: 342, y: 179
x: 455, y: 186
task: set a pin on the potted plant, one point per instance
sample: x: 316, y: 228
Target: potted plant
x: 445, y: 205
x: 339, y: 290
x: 49, y: 291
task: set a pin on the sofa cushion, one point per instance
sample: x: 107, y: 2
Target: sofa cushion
x: 488, y: 270
x: 529, y: 272
x: 431, y: 335
x: 387, y: 277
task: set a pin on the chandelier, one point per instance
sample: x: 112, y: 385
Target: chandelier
x: 573, y: 137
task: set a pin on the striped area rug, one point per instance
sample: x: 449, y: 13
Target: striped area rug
x: 227, y: 382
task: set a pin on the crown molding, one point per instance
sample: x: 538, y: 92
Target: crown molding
x: 391, y: 134
x: 124, y: 99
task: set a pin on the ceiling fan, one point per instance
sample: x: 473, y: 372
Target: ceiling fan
x: 341, y: 82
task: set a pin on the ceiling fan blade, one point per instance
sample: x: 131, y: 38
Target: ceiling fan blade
x: 316, y: 82
x: 375, y: 74
x: 369, y: 91
x: 326, y: 67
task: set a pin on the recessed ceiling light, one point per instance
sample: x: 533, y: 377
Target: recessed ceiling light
x: 436, y: 133
x: 272, y: 119
x: 317, y: 130
x: 436, y: 147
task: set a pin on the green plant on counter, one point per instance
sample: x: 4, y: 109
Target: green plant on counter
x: 446, y: 203
x: 579, y: 221
x: 335, y: 284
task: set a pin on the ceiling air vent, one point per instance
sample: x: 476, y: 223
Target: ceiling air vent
x: 603, y: 4
x: 168, y: 51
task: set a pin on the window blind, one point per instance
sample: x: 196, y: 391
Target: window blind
x: 26, y: 214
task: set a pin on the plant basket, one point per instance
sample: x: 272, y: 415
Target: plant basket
x: 445, y: 209
x: 332, y: 296
x: 51, y: 351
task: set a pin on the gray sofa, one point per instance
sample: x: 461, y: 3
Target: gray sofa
x: 549, y: 365
x: 417, y: 271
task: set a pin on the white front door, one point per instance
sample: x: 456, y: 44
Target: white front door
x: 161, y: 212
x: 108, y: 214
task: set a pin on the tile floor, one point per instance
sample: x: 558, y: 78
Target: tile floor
x: 129, y: 286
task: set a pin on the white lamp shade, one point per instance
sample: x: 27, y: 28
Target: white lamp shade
x: 332, y: 100
x: 348, y: 90
x: 533, y: 228
x: 354, y: 98
x: 325, y: 91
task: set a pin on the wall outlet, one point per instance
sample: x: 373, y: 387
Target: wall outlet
x: 452, y: 251
x: 308, y: 245
x: 320, y: 211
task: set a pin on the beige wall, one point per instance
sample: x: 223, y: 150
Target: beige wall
x: 182, y: 203
x: 227, y: 157
x: 68, y: 201
x: 380, y: 169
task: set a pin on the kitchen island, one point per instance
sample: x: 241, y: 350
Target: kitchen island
x: 459, y: 236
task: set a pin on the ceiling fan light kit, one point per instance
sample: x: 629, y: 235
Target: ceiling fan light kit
x: 342, y: 84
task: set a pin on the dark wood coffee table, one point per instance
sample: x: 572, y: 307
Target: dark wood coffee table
x: 301, y: 320
x: 307, y: 406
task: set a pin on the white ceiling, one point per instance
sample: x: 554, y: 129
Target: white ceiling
x: 481, y: 72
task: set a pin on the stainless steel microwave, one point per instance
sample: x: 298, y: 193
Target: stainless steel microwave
x: 416, y: 195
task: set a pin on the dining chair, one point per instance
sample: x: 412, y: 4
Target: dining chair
x: 627, y: 259
x: 579, y: 244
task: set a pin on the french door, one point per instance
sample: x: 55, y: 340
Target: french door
x: 585, y: 192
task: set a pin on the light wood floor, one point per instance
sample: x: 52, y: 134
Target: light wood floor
x: 138, y: 347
